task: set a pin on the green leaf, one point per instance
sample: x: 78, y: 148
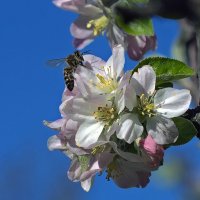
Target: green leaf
x: 136, y: 27
x: 186, y: 130
x: 166, y: 69
x: 84, y: 162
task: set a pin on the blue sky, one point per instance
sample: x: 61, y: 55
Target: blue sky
x: 31, y: 33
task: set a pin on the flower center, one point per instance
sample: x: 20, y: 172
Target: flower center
x: 98, y: 25
x: 106, y: 84
x: 105, y: 114
x: 146, y: 107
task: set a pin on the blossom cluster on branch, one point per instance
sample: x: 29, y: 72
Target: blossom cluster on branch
x: 116, y: 121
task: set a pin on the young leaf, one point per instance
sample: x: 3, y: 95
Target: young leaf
x: 186, y: 130
x: 136, y: 27
x: 166, y: 69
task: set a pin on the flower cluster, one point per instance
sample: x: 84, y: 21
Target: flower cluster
x: 116, y: 122
x: 95, y: 19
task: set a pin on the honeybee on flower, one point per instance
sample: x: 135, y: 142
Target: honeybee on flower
x: 116, y: 122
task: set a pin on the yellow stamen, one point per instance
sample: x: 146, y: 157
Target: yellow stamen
x: 106, y: 84
x: 105, y: 114
x: 98, y: 25
x: 146, y: 107
x: 98, y: 149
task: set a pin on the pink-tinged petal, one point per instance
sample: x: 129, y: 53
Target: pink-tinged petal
x: 74, y: 171
x: 136, y: 44
x: 139, y: 45
x: 86, y: 184
x: 104, y: 159
x: 172, y: 102
x: 153, y: 150
x: 72, y: 5
x: 68, y: 102
x: 69, y: 2
x: 68, y: 94
x: 129, y: 174
x: 81, y: 43
x: 73, y: 148
x: 144, y: 80
x: 151, y: 43
x: 91, y: 171
x: 130, y: 128
x: 79, y: 28
x: 162, y: 130
x: 69, y: 129
x: 88, y: 133
x: 54, y: 143
x: 97, y: 164
x: 78, y: 6
x: 57, y: 125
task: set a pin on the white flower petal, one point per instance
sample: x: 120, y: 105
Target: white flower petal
x: 109, y: 65
x: 93, y: 62
x: 125, y: 95
x: 162, y: 130
x: 118, y: 62
x: 82, y: 109
x: 86, y: 81
x: 130, y: 128
x: 88, y: 133
x: 82, y: 87
x: 111, y: 130
x: 144, y: 80
x: 115, y: 64
x: 172, y: 102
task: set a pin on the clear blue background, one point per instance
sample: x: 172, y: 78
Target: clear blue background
x: 31, y: 33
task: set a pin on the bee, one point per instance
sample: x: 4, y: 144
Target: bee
x: 70, y: 64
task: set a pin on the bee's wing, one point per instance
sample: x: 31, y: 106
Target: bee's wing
x: 57, y: 62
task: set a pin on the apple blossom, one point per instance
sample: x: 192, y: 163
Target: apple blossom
x: 95, y: 19
x: 158, y: 107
